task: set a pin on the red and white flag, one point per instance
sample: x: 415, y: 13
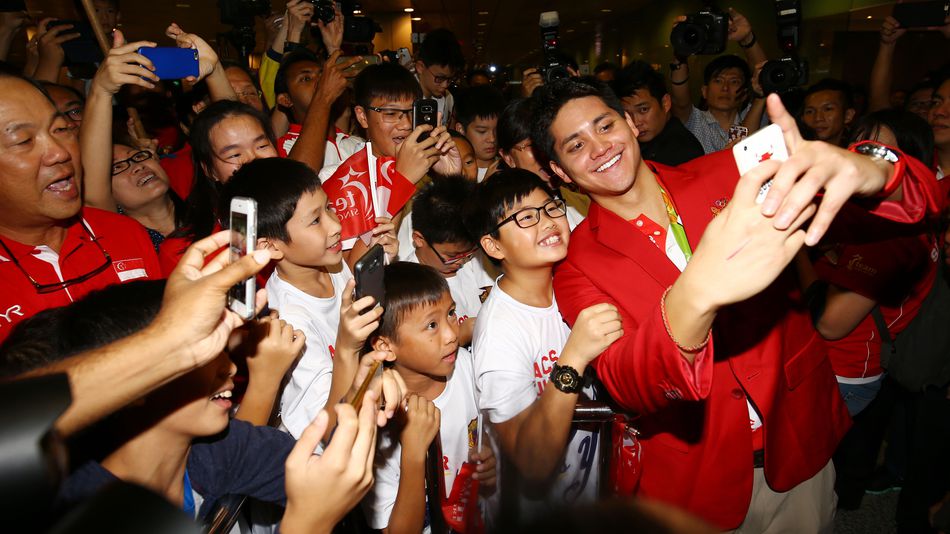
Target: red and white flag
x: 365, y: 187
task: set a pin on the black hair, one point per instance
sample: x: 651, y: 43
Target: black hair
x: 605, y: 66
x: 728, y: 61
x: 437, y: 210
x: 409, y: 286
x: 482, y: 102
x: 385, y: 80
x: 276, y: 199
x: 639, y: 75
x: 441, y: 47
x: 550, y: 98
x: 831, y: 84
x: 201, y: 214
x: 914, y: 136
x: 496, y: 195
x: 458, y: 135
x: 79, y: 96
x: 477, y: 72
x: 99, y: 318
x: 281, y: 85
x: 514, y: 124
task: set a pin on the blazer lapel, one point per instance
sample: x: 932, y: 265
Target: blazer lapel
x: 620, y: 236
x: 694, y: 202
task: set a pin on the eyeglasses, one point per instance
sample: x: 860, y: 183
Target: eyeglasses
x: 248, y: 94
x: 123, y: 164
x: 391, y: 115
x: 51, y: 288
x: 454, y: 260
x: 528, y: 217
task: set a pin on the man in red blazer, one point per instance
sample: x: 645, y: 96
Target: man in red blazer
x: 740, y: 412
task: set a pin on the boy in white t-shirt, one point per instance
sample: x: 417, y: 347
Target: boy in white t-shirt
x: 529, y: 366
x: 420, y: 327
x: 311, y: 286
x: 440, y: 240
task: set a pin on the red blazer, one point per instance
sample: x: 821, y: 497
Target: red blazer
x: 696, y: 437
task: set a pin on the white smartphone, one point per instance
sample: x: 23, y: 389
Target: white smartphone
x: 243, y: 227
x: 768, y: 143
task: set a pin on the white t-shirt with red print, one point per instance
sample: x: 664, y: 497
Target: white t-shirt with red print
x: 457, y: 431
x: 469, y: 287
x: 515, y: 348
x: 308, y: 388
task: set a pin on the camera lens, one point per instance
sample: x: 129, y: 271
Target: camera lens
x: 778, y: 76
x: 691, y: 37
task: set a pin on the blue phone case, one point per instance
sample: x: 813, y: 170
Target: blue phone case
x: 172, y: 63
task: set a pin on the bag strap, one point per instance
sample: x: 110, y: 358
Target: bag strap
x: 882, y: 326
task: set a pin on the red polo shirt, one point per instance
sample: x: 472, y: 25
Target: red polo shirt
x: 131, y: 256
x: 889, y: 263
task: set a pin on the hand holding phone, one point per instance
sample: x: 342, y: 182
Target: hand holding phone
x: 243, y: 225
x: 928, y: 14
x: 368, y: 272
x: 768, y: 143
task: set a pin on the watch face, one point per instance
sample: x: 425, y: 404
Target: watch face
x: 566, y: 379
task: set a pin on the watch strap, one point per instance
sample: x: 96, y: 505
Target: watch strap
x: 887, y: 153
x: 556, y: 378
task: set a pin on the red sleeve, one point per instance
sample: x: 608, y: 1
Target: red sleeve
x: 170, y: 251
x: 643, y: 370
x: 180, y: 170
x: 883, y: 271
x: 921, y: 195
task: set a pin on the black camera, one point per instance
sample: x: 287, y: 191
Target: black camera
x: 783, y: 75
x: 323, y: 10
x: 554, y: 66
x: 702, y: 33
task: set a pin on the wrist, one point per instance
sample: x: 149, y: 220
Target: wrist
x: 412, y: 458
x: 748, y: 41
x: 569, y: 358
x: 302, y: 519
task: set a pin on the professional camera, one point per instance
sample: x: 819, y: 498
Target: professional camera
x: 701, y: 33
x: 783, y: 75
x: 553, y: 67
x: 323, y: 10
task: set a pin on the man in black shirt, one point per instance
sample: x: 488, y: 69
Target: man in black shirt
x: 662, y: 137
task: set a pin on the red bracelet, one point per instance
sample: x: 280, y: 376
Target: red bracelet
x: 899, y: 166
x: 666, y: 324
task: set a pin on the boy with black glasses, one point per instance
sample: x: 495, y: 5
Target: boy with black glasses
x: 521, y: 342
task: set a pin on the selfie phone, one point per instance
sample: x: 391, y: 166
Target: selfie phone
x: 922, y: 14
x: 404, y: 57
x: 83, y: 50
x: 357, y: 67
x: 172, y: 63
x: 243, y: 227
x: 368, y: 273
x: 737, y: 132
x: 768, y: 143
x: 425, y: 111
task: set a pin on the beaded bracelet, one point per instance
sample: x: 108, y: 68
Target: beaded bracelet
x: 666, y: 324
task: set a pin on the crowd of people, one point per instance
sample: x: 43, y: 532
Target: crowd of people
x: 551, y: 246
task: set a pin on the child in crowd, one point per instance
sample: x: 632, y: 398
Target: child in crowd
x: 311, y: 286
x: 521, y: 342
x: 440, y: 240
x: 420, y: 327
x: 476, y: 116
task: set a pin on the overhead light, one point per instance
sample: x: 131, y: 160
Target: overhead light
x: 417, y: 19
x: 570, y: 30
x: 606, y: 10
x: 357, y: 11
x: 492, y: 68
x: 482, y: 12
x: 483, y: 24
x: 408, y: 10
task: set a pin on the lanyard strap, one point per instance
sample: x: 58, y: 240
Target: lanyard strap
x: 189, y: 497
x: 676, y: 226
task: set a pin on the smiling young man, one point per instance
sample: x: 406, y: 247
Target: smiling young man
x: 52, y: 250
x: 744, y: 396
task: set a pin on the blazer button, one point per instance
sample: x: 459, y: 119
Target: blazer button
x: 737, y: 393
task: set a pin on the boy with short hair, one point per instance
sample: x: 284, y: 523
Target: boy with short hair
x: 421, y: 329
x: 437, y: 61
x: 476, y: 116
x: 311, y: 286
x: 521, y: 340
x: 440, y: 240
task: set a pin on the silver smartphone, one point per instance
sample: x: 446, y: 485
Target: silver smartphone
x: 243, y: 227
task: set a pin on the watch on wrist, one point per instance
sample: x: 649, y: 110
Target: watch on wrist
x: 565, y: 378
x: 883, y: 152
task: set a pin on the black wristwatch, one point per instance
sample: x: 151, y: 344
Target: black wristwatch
x: 566, y: 379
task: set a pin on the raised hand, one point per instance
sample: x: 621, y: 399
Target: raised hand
x: 814, y: 167
x: 358, y: 319
x: 332, y: 33
x: 891, y: 31
x: 422, y: 425
x: 207, y: 57
x: 594, y: 330
x: 125, y: 66
x: 414, y: 158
